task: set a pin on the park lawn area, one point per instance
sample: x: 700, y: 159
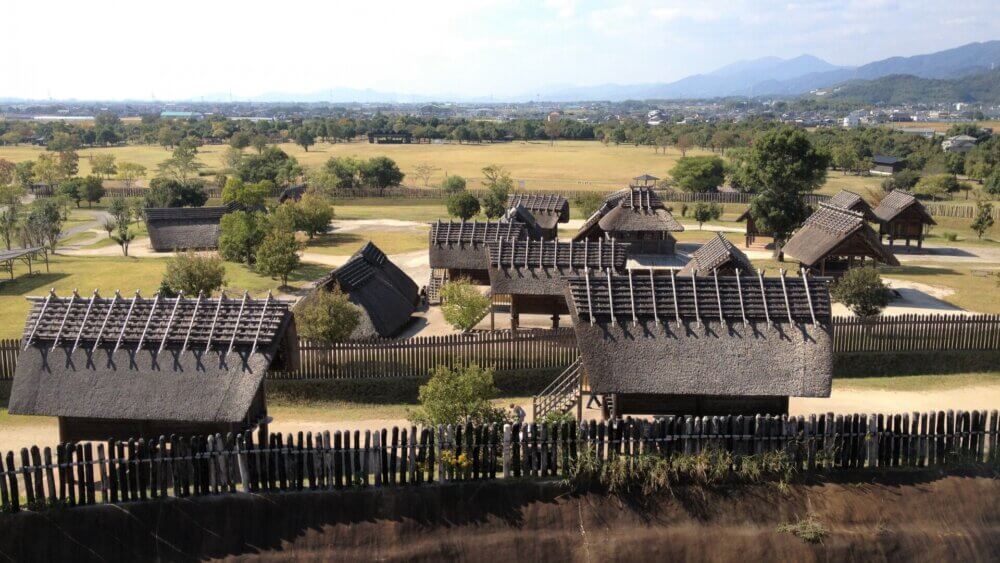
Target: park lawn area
x: 389, y: 241
x: 966, y: 236
x: 977, y: 293
x: 109, y: 273
x: 391, y: 208
x: 85, y: 236
x: 836, y: 181
x: 919, y: 382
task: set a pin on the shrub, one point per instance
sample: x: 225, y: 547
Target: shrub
x: 326, y: 317
x: 193, y: 273
x: 462, y: 304
x: 240, y: 234
x: 250, y: 196
x: 949, y: 236
x: 278, y: 255
x: 862, y: 291
x: 808, y: 529
x: 984, y: 218
x: 704, y: 212
x: 458, y: 396
x: 938, y: 186
x: 169, y: 192
x: 699, y: 173
x: 453, y: 184
x: 463, y: 205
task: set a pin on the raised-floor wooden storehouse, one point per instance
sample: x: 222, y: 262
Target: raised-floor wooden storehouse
x: 717, y: 257
x: 886, y: 165
x: 846, y: 199
x: 185, y: 228
x: 459, y: 249
x: 902, y: 216
x: 124, y: 367
x: 533, y: 272
x: 658, y: 343
x: 834, y: 239
x: 386, y: 296
x: 634, y: 215
x: 547, y: 211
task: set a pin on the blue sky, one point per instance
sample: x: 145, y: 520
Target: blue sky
x: 104, y: 49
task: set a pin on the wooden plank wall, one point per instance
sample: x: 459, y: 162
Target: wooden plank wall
x: 176, y: 466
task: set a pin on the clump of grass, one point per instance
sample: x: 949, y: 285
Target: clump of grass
x: 807, y: 529
x: 949, y: 236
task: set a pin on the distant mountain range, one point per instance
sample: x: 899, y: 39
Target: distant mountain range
x: 981, y: 87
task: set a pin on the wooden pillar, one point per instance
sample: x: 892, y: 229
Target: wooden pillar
x: 822, y: 267
x: 555, y: 321
x: 515, y: 315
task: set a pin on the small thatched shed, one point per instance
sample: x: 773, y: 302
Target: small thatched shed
x: 902, y: 216
x: 636, y: 216
x: 533, y: 273
x: 546, y: 210
x: 717, y: 257
x: 657, y: 343
x: 460, y: 247
x: 846, y: 199
x: 185, y: 228
x: 292, y: 193
x: 384, y: 293
x: 834, y: 239
x: 130, y: 367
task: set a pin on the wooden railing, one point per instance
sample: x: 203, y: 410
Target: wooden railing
x: 139, y: 470
x: 916, y: 333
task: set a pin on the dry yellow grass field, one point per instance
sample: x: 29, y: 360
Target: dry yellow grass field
x: 942, y: 126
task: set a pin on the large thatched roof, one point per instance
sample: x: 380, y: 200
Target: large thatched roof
x: 548, y: 210
x: 897, y: 202
x: 849, y: 200
x: 386, y: 295
x: 462, y: 245
x: 717, y: 255
x: 166, y: 359
x: 540, y: 267
x: 833, y: 231
x: 635, y: 209
x: 651, y: 333
x: 183, y: 228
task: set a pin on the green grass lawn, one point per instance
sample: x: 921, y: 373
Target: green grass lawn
x: 973, y: 292
x: 389, y: 241
x: 398, y: 209
x: 918, y: 382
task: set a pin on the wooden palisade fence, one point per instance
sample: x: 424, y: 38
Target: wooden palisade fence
x: 139, y: 470
x: 916, y: 333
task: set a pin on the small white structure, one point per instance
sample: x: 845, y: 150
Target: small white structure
x: 959, y: 143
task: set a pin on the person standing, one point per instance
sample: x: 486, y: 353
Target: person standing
x: 519, y: 413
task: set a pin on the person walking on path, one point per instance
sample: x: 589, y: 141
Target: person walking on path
x: 519, y: 413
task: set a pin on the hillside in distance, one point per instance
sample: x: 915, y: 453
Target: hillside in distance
x: 983, y: 87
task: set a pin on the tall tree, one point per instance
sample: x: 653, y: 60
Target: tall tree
x: 304, y: 138
x: 498, y: 184
x: 182, y: 164
x: 380, y: 173
x: 424, y: 172
x: 278, y: 255
x: 103, y: 165
x: 699, y: 173
x: 129, y: 173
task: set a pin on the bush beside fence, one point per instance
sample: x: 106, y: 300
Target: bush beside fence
x: 139, y: 470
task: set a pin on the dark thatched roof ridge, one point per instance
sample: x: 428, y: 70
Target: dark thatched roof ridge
x: 540, y: 267
x: 182, y: 228
x: 717, y: 254
x: 898, y: 201
x: 293, y: 193
x: 149, y: 359
x: 463, y: 245
x: 636, y: 208
x: 851, y: 201
x: 547, y: 209
x: 828, y: 229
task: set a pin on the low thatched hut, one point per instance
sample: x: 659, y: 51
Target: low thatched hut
x: 636, y: 216
x: 292, y: 193
x: 902, y: 216
x: 717, y: 257
x: 459, y: 248
x: 546, y: 210
x: 846, y: 199
x: 657, y: 343
x: 386, y: 296
x: 185, y: 228
x: 131, y: 367
x: 834, y: 239
x: 533, y: 273
x: 753, y: 230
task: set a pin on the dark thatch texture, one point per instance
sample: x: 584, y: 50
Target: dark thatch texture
x: 899, y: 202
x: 540, y: 267
x: 293, y: 193
x: 149, y: 359
x: 846, y: 199
x: 717, y: 255
x: 385, y: 294
x: 548, y: 210
x: 750, y: 336
x: 833, y: 232
x: 183, y: 228
x: 532, y: 230
x: 636, y: 215
x: 462, y: 246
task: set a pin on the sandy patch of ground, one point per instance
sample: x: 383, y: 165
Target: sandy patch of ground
x: 352, y: 225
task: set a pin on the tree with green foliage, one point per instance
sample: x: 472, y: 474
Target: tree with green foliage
x: 705, y: 212
x: 699, y: 174
x: 92, y: 190
x: 936, y: 186
x: 182, y: 164
x: 240, y: 140
x: 122, y: 213
x: 250, y: 196
x: 129, y: 173
x: 380, y: 173
x: 103, y: 165
x: 10, y: 214
x: 259, y: 143
x: 192, y: 273
x: 304, y: 138
x: 453, y: 184
x: 992, y: 184
x: 984, y: 218
x: 458, y: 396
x: 784, y: 166
x: 326, y: 317
x: 462, y: 305
x: 278, y: 255
x: 313, y: 214
x: 588, y: 203
x: 169, y: 192
x: 862, y: 291
x: 271, y: 164
x: 240, y: 234
x: 70, y: 188
x: 47, y: 171
x: 498, y: 184
x: 463, y: 205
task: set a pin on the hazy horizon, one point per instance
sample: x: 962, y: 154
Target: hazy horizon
x: 447, y: 49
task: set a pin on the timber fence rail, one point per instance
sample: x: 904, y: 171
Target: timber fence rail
x: 77, y: 474
x: 916, y: 333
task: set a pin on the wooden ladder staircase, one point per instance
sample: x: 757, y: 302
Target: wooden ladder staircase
x: 438, y: 279
x: 562, y: 395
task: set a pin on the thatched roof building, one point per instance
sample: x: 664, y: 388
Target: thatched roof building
x: 293, y: 193
x: 717, y: 256
x: 460, y: 247
x: 185, y: 228
x: 661, y: 343
x: 546, y: 211
x: 534, y: 273
x: 902, y: 216
x: 384, y: 293
x: 126, y: 367
x: 846, y: 199
x: 635, y: 215
x: 834, y: 239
